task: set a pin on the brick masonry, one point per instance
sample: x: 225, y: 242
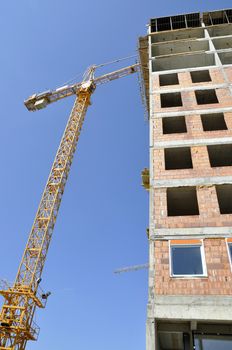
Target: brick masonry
x: 219, y: 276
x: 181, y: 306
x: 217, y: 282
x: 194, y: 129
x: 188, y: 97
x: 208, y: 209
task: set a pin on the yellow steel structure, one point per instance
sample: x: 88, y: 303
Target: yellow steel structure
x: 24, y: 296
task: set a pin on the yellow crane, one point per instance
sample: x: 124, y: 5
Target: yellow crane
x: 25, y: 295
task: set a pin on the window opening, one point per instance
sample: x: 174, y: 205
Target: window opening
x: 178, y: 158
x: 224, y: 196
x: 173, y: 125
x: 182, y: 201
x: 206, y: 96
x: 212, y: 122
x: 168, y: 79
x: 200, y: 76
x: 220, y: 155
x: 171, y: 100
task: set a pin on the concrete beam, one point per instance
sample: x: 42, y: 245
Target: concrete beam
x: 192, y: 88
x: 192, y: 142
x: 189, y: 232
x: 204, y: 308
x: 187, y: 113
x: 195, y: 181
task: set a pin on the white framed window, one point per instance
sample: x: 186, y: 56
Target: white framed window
x: 229, y: 248
x: 187, y: 258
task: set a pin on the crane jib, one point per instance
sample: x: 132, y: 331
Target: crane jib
x: 40, y: 101
x: 21, y: 299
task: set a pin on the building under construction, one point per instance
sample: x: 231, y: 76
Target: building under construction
x: 186, y: 64
x: 187, y: 73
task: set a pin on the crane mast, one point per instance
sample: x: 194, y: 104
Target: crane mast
x: 25, y: 295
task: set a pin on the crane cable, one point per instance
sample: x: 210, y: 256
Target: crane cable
x: 99, y: 66
x: 115, y: 61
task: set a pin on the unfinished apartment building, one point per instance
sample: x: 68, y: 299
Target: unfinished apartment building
x: 187, y: 76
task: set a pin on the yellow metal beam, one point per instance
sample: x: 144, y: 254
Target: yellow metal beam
x: 21, y: 300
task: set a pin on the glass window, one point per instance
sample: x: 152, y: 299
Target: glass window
x: 186, y: 260
x: 212, y: 342
x: 230, y: 251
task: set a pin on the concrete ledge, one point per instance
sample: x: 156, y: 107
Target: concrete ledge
x: 210, y: 308
x: 191, y: 88
x: 196, y: 181
x: 220, y: 109
x: 200, y: 232
x: 192, y: 142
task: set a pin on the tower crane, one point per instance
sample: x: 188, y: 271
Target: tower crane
x: 22, y: 298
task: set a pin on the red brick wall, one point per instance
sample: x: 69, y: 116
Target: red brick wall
x: 189, y: 102
x: 200, y: 161
x: 218, y: 281
x: 188, y: 97
x: 194, y: 129
x: 186, y: 81
x: 207, y: 199
x: 208, y: 209
x: 229, y: 73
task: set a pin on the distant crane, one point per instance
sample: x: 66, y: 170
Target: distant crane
x: 146, y: 185
x: 132, y: 268
x: 25, y: 295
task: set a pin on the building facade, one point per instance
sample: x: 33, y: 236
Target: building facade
x: 187, y: 77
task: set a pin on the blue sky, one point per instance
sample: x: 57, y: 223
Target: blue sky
x: 104, y: 213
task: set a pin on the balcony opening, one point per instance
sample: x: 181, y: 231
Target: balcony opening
x: 220, y: 155
x: 171, y: 100
x: 224, y: 195
x: 176, y: 35
x: 222, y: 43
x: 182, y: 201
x: 178, y: 22
x: 216, y: 17
x: 217, y: 31
x: 226, y: 57
x: 206, y: 96
x: 200, y: 76
x: 174, y: 125
x: 229, y: 15
x: 178, y: 158
x: 184, y: 47
x: 175, y: 22
x: 168, y: 79
x: 163, y: 23
x: 190, y: 60
x: 212, y: 122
